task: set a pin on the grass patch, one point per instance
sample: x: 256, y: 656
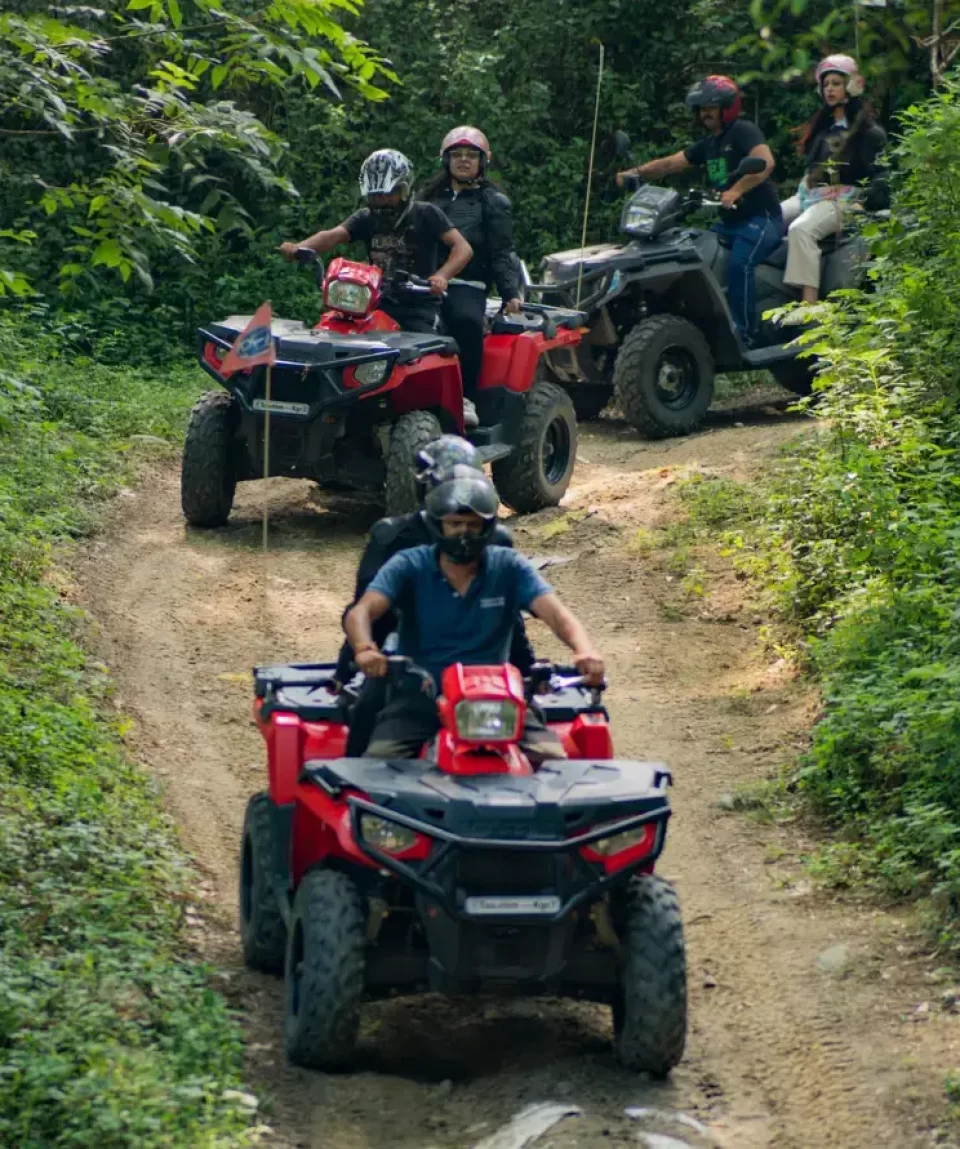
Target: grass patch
x: 109, y: 1037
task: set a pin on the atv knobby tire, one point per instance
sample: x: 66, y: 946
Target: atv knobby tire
x: 262, y: 931
x: 326, y: 946
x: 650, y: 1018
x: 537, y: 472
x: 795, y: 375
x: 409, y: 434
x: 208, y: 476
x: 660, y: 353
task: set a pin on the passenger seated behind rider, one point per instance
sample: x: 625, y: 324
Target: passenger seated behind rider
x: 458, y: 602
x: 440, y: 460
x: 483, y: 216
x: 752, y: 221
x: 401, y: 235
x: 841, y: 144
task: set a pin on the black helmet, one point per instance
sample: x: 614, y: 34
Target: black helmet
x: 720, y: 92
x: 461, y: 494
x: 438, y: 456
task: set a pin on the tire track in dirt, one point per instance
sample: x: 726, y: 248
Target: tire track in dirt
x: 778, y: 1053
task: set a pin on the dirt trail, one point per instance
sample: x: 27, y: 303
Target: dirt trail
x: 780, y: 1054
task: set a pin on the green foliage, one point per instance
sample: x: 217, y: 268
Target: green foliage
x: 232, y: 144
x: 789, y: 37
x: 109, y: 1037
x: 861, y: 538
x: 144, y: 139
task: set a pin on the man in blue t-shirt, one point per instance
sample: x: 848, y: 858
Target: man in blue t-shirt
x: 458, y: 602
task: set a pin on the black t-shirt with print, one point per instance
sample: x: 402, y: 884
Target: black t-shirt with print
x: 412, y: 245
x: 720, y: 155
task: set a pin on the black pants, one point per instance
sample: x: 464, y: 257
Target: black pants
x: 410, y: 720
x: 464, y: 309
x: 421, y: 317
x: 363, y: 717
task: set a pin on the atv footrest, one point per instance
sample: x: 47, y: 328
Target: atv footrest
x: 765, y: 356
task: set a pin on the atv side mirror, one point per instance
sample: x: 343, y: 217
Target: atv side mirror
x: 621, y: 142
x: 750, y: 166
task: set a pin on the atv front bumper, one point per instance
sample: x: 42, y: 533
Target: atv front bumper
x: 507, y: 873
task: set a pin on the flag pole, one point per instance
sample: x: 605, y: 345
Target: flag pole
x: 593, y: 152
x: 266, y: 457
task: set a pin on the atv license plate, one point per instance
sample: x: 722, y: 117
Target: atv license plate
x: 281, y: 407
x: 527, y: 904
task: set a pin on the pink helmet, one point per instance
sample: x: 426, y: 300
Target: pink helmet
x: 465, y: 137
x: 846, y: 66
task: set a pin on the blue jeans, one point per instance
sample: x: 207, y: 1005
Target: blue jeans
x: 751, y: 241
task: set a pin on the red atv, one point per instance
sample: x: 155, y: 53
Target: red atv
x: 355, y: 398
x: 462, y: 870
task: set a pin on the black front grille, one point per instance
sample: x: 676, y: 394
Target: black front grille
x: 505, y: 872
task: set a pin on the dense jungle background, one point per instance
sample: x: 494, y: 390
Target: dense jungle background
x: 153, y: 153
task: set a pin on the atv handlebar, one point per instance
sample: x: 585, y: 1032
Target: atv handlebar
x: 417, y: 285
x: 548, y: 675
x: 542, y: 675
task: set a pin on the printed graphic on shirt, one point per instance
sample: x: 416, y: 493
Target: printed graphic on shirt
x: 393, y: 251
x: 717, y: 172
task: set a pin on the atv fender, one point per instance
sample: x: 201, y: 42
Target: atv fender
x: 688, y: 291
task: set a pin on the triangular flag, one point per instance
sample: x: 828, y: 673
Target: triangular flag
x: 254, y: 344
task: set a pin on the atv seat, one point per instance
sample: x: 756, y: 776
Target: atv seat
x: 778, y: 258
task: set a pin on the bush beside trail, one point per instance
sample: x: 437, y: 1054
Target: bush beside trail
x: 856, y: 536
x: 109, y: 1036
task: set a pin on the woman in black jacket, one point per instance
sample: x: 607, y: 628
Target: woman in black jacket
x: 483, y: 215
x: 841, y: 144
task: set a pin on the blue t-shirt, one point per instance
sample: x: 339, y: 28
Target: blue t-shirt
x: 438, y: 626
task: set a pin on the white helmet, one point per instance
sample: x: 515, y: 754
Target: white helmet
x: 384, y: 172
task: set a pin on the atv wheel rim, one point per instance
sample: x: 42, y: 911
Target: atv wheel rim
x: 678, y: 380
x: 555, y: 452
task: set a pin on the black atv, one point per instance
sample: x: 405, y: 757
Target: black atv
x: 660, y: 324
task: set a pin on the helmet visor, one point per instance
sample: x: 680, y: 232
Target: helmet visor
x: 463, y: 495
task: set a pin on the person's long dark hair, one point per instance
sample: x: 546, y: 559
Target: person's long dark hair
x: 860, y: 116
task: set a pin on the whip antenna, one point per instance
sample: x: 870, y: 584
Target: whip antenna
x: 593, y: 150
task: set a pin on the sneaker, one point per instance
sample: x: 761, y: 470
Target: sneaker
x: 470, y: 418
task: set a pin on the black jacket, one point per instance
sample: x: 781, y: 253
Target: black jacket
x: 389, y: 537
x: 851, y: 158
x: 484, y: 217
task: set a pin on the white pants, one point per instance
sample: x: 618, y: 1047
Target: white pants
x: 805, y: 229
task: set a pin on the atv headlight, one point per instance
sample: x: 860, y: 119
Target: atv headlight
x: 638, y: 219
x: 373, y: 372
x: 390, y: 837
x: 489, y: 721
x: 354, y: 298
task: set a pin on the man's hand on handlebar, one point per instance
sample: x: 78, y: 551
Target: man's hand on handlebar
x: 371, y: 662
x: 590, y: 665
x: 289, y: 251
x: 512, y: 306
x: 438, y: 283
